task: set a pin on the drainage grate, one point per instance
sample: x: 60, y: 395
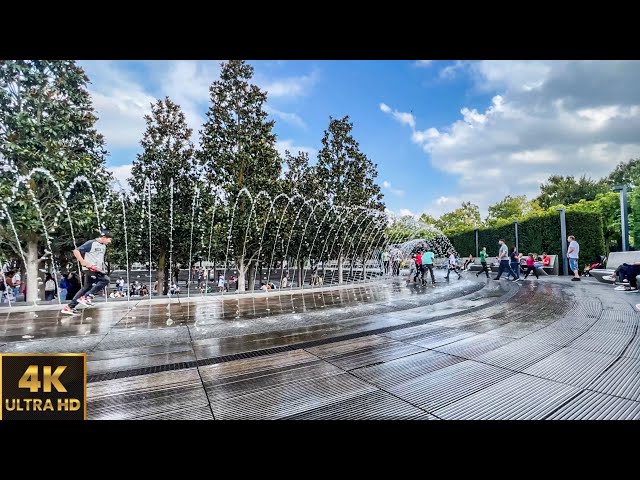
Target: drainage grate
x: 243, y: 355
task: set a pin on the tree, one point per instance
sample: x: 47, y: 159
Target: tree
x: 348, y: 177
x: 511, y: 208
x: 428, y: 219
x: 47, y: 121
x: 238, y: 151
x: 625, y: 173
x: 168, y: 162
x: 468, y: 215
x: 566, y: 190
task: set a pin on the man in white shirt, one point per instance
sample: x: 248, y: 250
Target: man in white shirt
x: 453, y: 265
x: 573, y: 252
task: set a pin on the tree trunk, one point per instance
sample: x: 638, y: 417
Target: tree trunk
x: 252, y: 276
x: 241, y: 274
x: 160, y: 277
x: 340, y: 269
x: 33, y: 289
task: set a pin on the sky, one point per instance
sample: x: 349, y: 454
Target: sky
x: 441, y: 132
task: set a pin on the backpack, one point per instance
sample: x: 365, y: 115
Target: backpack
x: 50, y: 285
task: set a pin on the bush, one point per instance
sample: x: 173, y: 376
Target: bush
x: 538, y: 233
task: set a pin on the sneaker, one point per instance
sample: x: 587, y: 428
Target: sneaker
x: 621, y: 288
x: 631, y: 290
x: 575, y: 279
x: 496, y: 279
x: 86, y: 301
x: 609, y: 278
x: 69, y: 311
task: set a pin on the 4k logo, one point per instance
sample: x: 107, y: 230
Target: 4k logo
x: 43, y: 386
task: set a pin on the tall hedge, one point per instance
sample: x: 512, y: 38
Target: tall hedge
x: 540, y: 233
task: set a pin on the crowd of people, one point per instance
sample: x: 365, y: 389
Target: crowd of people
x: 421, y: 260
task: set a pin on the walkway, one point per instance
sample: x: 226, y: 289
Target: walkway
x: 540, y: 349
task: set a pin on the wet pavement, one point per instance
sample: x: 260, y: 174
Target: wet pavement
x: 466, y: 349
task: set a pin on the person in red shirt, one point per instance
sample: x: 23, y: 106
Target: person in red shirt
x: 545, y: 259
x: 419, y: 268
x: 530, y: 266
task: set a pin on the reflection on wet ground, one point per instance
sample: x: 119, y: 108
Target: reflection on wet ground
x: 544, y: 349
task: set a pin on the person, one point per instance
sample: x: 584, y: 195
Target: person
x: 5, y: 292
x: 73, y: 285
x: 64, y: 283
x: 263, y: 287
x: 628, y: 272
x: 16, y: 281
x: 427, y: 263
x: 419, y: 267
x: 546, y: 259
x: 573, y: 253
x: 91, y: 256
x: 503, y: 258
x: 453, y: 265
x: 531, y: 266
x: 514, y: 263
x: 467, y: 262
x: 412, y: 267
x: 11, y: 286
x: 285, y: 280
x: 221, y: 283
x: 385, y: 261
x: 50, y: 288
x: 120, y: 284
x: 483, y: 262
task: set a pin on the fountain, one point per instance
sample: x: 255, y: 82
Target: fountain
x: 335, y: 236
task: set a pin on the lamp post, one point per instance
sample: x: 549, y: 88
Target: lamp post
x: 623, y: 215
x: 563, y: 234
x: 477, y: 251
x: 515, y: 222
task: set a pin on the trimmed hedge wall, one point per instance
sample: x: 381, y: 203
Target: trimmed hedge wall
x: 539, y: 234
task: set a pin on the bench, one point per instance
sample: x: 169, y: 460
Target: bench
x: 614, y: 260
x: 476, y: 266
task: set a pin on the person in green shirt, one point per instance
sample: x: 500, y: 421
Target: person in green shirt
x: 483, y: 262
x: 427, y: 262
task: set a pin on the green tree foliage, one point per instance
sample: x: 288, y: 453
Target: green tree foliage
x: 468, y: 215
x: 607, y: 205
x: 237, y: 152
x: 348, y: 177
x: 167, y: 161
x: 47, y: 121
x: 625, y: 173
x: 511, y: 208
x: 559, y: 190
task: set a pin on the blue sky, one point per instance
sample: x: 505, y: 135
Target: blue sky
x: 441, y: 132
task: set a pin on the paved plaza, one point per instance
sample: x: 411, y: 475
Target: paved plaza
x: 464, y: 349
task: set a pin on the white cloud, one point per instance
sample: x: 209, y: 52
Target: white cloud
x: 283, y: 145
x: 120, y: 102
x: 406, y: 212
x: 403, y: 117
x: 423, y: 63
x: 289, y: 87
x: 565, y: 118
x: 187, y: 83
x: 395, y: 191
x: 121, y: 173
x: 450, y: 71
x: 122, y: 96
x: 290, y: 118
